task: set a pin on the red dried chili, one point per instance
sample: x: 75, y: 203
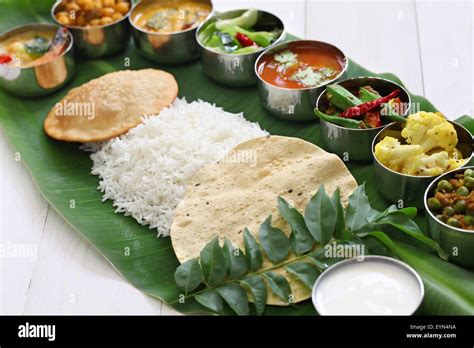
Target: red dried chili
x: 244, y: 40
x: 372, y: 118
x: 361, y: 109
x: 5, y: 58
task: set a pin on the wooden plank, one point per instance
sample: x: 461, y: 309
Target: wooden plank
x: 22, y: 217
x: 446, y: 42
x: 166, y: 310
x: 380, y: 35
x: 71, y: 277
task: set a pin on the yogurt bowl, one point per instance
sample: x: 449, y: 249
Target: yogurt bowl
x: 375, y: 285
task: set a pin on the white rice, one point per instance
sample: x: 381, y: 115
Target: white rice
x: 144, y: 172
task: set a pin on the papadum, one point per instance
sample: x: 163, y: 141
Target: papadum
x: 242, y: 190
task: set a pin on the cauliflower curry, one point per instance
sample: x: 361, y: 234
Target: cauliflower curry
x: 430, y: 148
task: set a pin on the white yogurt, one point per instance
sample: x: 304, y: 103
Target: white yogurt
x: 375, y: 286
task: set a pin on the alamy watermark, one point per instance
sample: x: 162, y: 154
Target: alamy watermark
x: 240, y: 157
x: 345, y: 251
x: 19, y: 251
x: 75, y: 109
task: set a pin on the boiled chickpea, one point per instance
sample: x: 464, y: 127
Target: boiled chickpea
x: 117, y: 16
x: 95, y: 22
x: 72, y: 6
x: 92, y: 12
x: 106, y: 20
x: 108, y: 3
x: 123, y: 7
x: 108, y: 11
x: 64, y: 20
x: 88, y: 6
x: 62, y: 14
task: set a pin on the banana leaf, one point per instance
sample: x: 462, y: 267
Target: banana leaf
x: 62, y: 171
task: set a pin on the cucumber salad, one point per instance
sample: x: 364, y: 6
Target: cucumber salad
x: 240, y: 35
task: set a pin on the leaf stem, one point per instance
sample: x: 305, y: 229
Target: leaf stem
x: 282, y: 264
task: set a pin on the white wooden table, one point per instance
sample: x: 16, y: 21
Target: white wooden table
x: 428, y: 44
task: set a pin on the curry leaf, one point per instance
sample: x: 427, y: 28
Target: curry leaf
x: 321, y: 265
x: 376, y: 215
x: 410, y: 212
x: 235, y: 260
x: 188, y: 276
x: 300, y: 238
x: 358, y: 210
x: 274, y: 241
x: 339, y: 210
x: 321, y: 258
x: 320, y: 217
x: 257, y: 287
x: 252, y: 251
x: 279, y: 285
x: 213, y: 263
x: 235, y: 296
x: 210, y: 299
x: 304, y: 271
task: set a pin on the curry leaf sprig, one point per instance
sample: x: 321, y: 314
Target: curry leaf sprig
x: 224, y: 274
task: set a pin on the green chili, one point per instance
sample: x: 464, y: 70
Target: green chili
x: 343, y: 122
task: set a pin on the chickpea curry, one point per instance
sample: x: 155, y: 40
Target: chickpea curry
x: 91, y: 13
x: 165, y: 18
x: 453, y: 200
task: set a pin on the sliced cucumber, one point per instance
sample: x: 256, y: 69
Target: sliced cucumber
x: 246, y: 20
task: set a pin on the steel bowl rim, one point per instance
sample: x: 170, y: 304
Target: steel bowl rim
x: 357, y: 129
x: 134, y: 6
x: 360, y: 78
x: 212, y: 15
x: 419, y: 176
x: 58, y: 2
x: 346, y: 65
x: 427, y: 191
x: 386, y: 259
x: 50, y: 25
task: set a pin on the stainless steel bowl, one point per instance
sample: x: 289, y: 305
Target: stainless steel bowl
x: 458, y: 243
x: 355, y: 144
x: 408, y: 190
x: 409, y: 271
x: 40, y: 79
x: 175, y: 48
x: 236, y: 70
x: 289, y: 103
x: 98, y: 41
